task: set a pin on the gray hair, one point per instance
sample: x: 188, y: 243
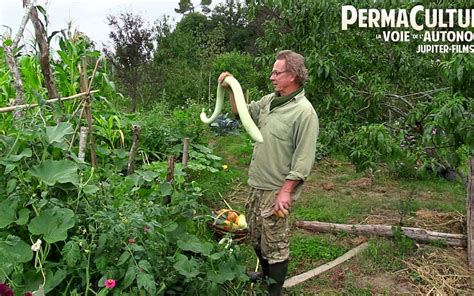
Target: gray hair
x: 294, y: 64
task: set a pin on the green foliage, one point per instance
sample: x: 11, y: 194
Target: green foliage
x: 240, y: 65
x: 164, y: 128
x: 96, y: 223
x: 360, y: 84
x: 371, y: 145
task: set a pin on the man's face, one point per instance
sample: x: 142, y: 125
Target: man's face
x: 281, y: 78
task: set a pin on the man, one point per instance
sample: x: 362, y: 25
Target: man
x: 279, y: 166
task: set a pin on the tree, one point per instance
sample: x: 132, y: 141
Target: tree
x: 186, y: 6
x: 132, y: 49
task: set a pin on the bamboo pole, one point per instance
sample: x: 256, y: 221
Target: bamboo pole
x: 418, y: 234
x: 27, y: 106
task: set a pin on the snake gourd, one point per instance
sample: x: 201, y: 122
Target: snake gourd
x: 244, y: 114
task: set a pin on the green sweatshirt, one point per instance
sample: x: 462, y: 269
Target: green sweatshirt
x: 289, y: 135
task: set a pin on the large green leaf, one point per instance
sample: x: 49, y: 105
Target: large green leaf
x: 71, y: 253
x: 225, y: 273
x: 52, y: 224
x: 188, y: 268
x: 13, y: 251
x: 56, y: 171
x: 55, y: 280
x: 146, y: 281
x: 17, y: 157
x: 193, y: 244
x: 7, y: 212
x: 56, y: 134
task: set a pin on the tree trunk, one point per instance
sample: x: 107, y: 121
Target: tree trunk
x: 418, y: 234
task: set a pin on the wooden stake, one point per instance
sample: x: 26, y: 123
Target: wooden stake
x: 314, y: 272
x: 185, y: 152
x: 418, y: 234
x: 133, y: 149
x: 470, y: 214
x: 169, y: 177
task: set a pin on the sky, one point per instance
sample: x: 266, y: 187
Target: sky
x: 88, y: 16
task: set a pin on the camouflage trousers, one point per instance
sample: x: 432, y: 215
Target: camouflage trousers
x: 268, y: 232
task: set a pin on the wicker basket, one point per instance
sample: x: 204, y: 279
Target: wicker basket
x: 238, y: 235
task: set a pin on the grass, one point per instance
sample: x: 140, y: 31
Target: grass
x: 387, y: 200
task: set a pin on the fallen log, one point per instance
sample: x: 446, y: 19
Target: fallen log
x: 320, y: 269
x: 418, y: 234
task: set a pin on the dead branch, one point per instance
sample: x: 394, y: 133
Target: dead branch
x: 402, y: 99
x: 27, y: 106
x: 20, y: 95
x: 44, y: 54
x: 396, y: 110
x: 24, y: 21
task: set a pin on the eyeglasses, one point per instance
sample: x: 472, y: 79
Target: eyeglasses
x: 277, y: 73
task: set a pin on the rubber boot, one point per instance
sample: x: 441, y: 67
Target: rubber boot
x: 277, y: 272
x: 259, y: 275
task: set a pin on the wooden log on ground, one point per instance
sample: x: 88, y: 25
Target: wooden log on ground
x: 320, y: 269
x: 418, y: 234
x: 470, y: 214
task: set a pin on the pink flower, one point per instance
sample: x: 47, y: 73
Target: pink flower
x: 28, y: 294
x: 110, y: 283
x: 5, y: 290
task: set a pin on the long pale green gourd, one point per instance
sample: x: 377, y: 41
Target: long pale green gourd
x: 244, y: 114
